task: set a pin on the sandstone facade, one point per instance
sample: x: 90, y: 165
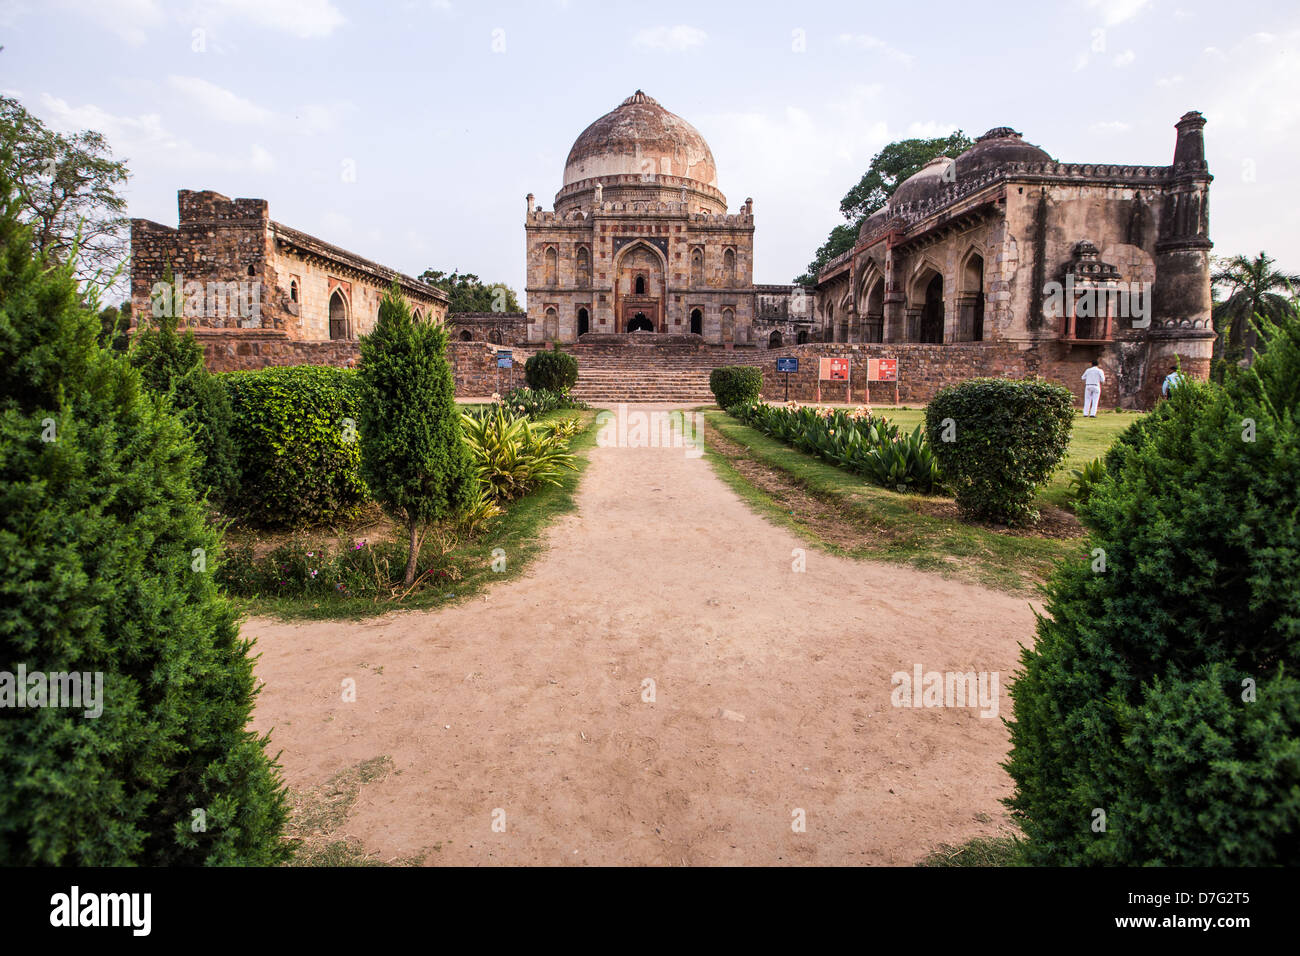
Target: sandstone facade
x: 1005, y: 247
x: 275, y: 287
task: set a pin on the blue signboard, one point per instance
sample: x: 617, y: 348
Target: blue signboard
x: 503, y: 359
x: 787, y: 365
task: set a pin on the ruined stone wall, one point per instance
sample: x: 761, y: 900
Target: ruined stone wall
x: 473, y: 364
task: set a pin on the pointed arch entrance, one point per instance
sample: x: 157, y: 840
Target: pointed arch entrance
x: 639, y: 287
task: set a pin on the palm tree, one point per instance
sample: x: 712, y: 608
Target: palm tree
x: 1254, y: 288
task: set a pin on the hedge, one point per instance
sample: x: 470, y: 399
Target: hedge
x: 736, y: 385
x: 294, y: 430
x: 998, y: 439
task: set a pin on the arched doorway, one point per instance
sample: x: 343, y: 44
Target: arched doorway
x: 495, y: 336
x: 801, y: 338
x: 932, y: 311
x: 338, y: 316
x: 697, y: 322
x: 467, y: 336
x: 639, y: 323
x: 971, y: 300
x: 584, y: 322
x: 774, y: 340
x: 640, y: 287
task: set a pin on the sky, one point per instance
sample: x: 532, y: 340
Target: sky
x: 410, y: 132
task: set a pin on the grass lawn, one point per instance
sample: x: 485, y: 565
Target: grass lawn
x: 518, y: 532
x: 839, y: 512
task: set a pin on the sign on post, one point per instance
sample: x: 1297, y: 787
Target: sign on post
x: 882, y: 370
x: 504, y: 359
x: 834, y: 370
x: 787, y: 365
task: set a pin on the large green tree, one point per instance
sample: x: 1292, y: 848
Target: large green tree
x: 106, y: 572
x: 889, y: 167
x: 69, y: 191
x: 470, y: 294
x: 413, y: 455
x: 1254, y: 288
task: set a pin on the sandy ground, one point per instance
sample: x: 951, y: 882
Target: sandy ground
x: 771, y: 696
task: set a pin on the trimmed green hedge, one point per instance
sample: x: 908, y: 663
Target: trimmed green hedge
x: 733, y: 385
x: 554, y: 371
x: 296, y: 447
x: 996, y: 440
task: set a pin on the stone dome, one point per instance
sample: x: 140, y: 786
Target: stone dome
x: 999, y: 145
x: 923, y: 183
x: 640, y: 137
x: 873, y: 222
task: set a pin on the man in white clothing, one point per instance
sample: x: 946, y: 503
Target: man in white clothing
x: 1092, y: 380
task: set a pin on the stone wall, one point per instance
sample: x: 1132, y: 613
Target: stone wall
x: 473, y: 364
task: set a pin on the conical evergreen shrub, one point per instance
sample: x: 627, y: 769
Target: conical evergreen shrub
x: 106, y: 567
x: 1157, y: 718
x: 413, y: 456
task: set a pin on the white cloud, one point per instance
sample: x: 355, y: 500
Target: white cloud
x: 1125, y: 58
x: 1113, y: 126
x: 219, y: 103
x: 129, y: 20
x: 305, y: 19
x: 864, y: 41
x: 1169, y: 81
x: 1114, y: 12
x: 676, y: 39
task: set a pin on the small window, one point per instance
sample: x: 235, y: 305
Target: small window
x: 252, y: 271
x: 640, y: 285
x: 293, y: 291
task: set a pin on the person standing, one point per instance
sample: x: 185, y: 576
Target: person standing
x: 1092, y: 379
x: 1173, y: 379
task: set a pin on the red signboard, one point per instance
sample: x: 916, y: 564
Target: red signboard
x: 882, y: 370
x: 833, y: 370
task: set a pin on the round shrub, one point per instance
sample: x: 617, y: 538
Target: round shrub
x: 554, y: 371
x: 295, y: 435
x: 736, y: 384
x: 996, y: 440
x: 1164, y: 685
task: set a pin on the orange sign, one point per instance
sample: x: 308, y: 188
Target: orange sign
x: 833, y: 370
x: 882, y: 370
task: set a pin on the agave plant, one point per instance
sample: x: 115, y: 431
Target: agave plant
x: 514, y: 455
x: 1084, y: 480
x: 905, y: 463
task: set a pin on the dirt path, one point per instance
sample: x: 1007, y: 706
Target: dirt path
x: 772, y: 694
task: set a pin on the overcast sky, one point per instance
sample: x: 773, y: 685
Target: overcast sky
x: 450, y: 112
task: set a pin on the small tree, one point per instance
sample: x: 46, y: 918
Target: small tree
x: 412, y: 454
x: 106, y: 573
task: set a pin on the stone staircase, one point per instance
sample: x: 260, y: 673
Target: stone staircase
x: 651, y: 374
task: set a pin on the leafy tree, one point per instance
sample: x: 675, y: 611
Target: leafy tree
x: 106, y: 571
x: 1254, y: 288
x: 114, y: 323
x: 1157, y: 717
x: 69, y: 192
x: 171, y: 363
x: 889, y: 167
x: 413, y: 456
x: 469, y: 294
